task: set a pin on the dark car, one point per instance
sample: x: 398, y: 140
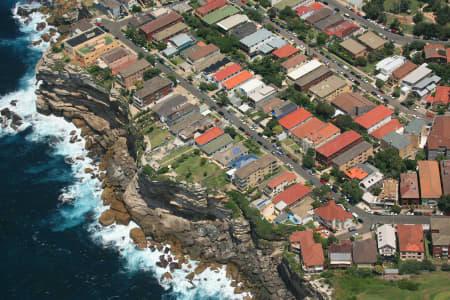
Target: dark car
x: 259, y: 142
x: 221, y: 113
x: 295, y: 160
x: 336, y: 9
x: 241, y: 129
x: 373, y: 93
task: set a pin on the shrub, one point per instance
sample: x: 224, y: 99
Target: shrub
x: 445, y: 267
x: 147, y: 170
x: 405, y: 284
x: 163, y: 170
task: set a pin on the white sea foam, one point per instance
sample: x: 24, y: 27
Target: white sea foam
x: 82, y: 198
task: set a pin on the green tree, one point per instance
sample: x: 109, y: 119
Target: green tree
x: 287, y: 13
x: 418, y: 17
x: 324, y: 110
x: 444, y: 203
x: 379, y: 83
x: 345, y: 122
x: 173, y: 79
x: 321, y: 38
x: 272, y: 13
x: 153, y: 72
x: 396, y: 209
x: 140, y: 55
x: 161, y: 46
x: 396, y: 92
x: 150, y: 59
x: 325, y: 176
x: 352, y: 190
x: 136, y: 9
x: 254, y: 15
x: 395, y: 25
x: 230, y: 130
x: 361, y: 61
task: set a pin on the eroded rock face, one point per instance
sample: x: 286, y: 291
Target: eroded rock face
x: 138, y: 237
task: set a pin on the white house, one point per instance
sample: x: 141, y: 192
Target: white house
x: 387, y: 245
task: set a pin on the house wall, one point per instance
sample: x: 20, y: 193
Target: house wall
x: 412, y: 255
x: 356, y: 160
x: 101, y: 48
x: 150, y: 34
x: 153, y: 97
x: 379, y: 124
x: 440, y: 251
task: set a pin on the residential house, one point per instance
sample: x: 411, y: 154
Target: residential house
x: 425, y: 86
x: 165, y: 108
x: 353, y: 48
x: 333, y: 216
x: 294, y: 119
x: 285, y: 52
x: 210, y: 7
x: 400, y: 73
x: 165, y: 35
x: 399, y: 143
x: 182, y: 7
x: 430, y: 182
x: 220, y: 14
x: 445, y: 176
x: 237, y: 80
x: 152, y: 90
x: 138, y: 20
x: 226, y: 73
x: 282, y: 110
x: 438, y: 143
x: 436, y: 53
x: 342, y: 29
x: 252, y: 42
x: 293, y: 62
x: 410, y: 80
x: 327, y: 152
x: 208, y: 136
x: 353, y: 156
x: 128, y: 4
x: 441, y: 97
x: 277, y: 185
x: 311, y: 253
x: 250, y: 86
x: 243, y: 30
x: 290, y: 196
x: 312, y: 78
x: 352, y: 104
x: 329, y: 88
x: 323, y: 24
x: 365, y: 253
x: 254, y: 172
x: 226, y: 157
x: 319, y: 15
x: 128, y: 75
x: 109, y: 7
x: 392, y: 125
x: 386, y: 66
x: 414, y: 132
x: 117, y: 59
x: 80, y: 26
x: 410, y: 242
x: 188, y: 126
x: 440, y: 236
x: 160, y: 24
x: 268, y: 105
x: 314, y: 133
x: 375, y: 118
x: 387, y: 242
x: 88, y: 46
x: 409, y: 189
x: 372, y: 40
x: 221, y: 143
x: 304, y: 69
x: 232, y: 22
x: 199, y: 52
x: 261, y: 94
x: 340, y: 254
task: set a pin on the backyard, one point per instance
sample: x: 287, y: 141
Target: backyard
x: 158, y: 136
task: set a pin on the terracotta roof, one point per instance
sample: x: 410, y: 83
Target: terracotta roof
x: 315, y: 130
x: 197, y: 52
x: 445, y: 176
x: 434, y: 51
x: 160, y: 22
x: 448, y: 55
x: 403, y: 70
x: 344, y: 247
x: 410, y: 238
x: 440, y: 133
x: 292, y: 194
x: 338, y: 143
x: 301, y: 10
x: 365, y: 252
x: 429, y: 178
x: 209, y: 7
x: 227, y: 72
x: 285, y: 51
x: 237, y: 79
x: 316, y: 6
x: 357, y: 173
x: 312, y: 253
x: 271, y: 104
x: 331, y: 211
x: 374, y: 116
x: 342, y: 29
x: 409, y: 186
x: 441, y: 97
x: 390, y: 126
x: 284, y: 177
x: 294, y: 61
x: 208, y: 136
x: 294, y: 118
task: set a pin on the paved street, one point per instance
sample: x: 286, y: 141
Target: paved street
x: 368, y: 219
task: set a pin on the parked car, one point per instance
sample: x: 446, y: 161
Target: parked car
x: 350, y: 229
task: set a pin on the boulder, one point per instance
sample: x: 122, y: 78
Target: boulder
x: 88, y: 170
x: 190, y: 276
x: 46, y: 37
x: 166, y: 276
x: 41, y: 26
x: 138, y: 237
x: 78, y: 123
x: 107, y: 217
x: 122, y: 218
x: 174, y: 266
x: 36, y: 43
x: 118, y: 206
x: 108, y: 196
x: 200, y: 268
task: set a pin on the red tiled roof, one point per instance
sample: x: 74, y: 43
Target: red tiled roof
x: 301, y: 236
x: 390, y: 126
x: 342, y: 29
x: 312, y: 252
x: 429, y: 179
x: 294, y: 118
x: 316, y: 6
x: 434, y: 51
x: 294, y: 61
x: 338, y: 143
x: 315, y: 130
x: 357, y: 173
x: 331, y: 211
x: 447, y: 52
x: 292, y: 194
x: 440, y: 133
x: 374, y: 116
x: 237, y: 79
x: 285, y: 51
x: 409, y: 186
x: 410, y: 238
x: 227, y: 72
x: 442, y: 96
x: 301, y: 10
x: 208, y: 136
x: 209, y: 7
x: 160, y: 22
x: 403, y: 70
x: 286, y: 176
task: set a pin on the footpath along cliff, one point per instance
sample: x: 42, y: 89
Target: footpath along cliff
x: 186, y: 217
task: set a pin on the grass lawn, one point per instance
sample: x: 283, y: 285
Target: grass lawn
x: 158, y: 136
x: 389, y: 4
x: 176, y: 60
x: 209, y: 174
x: 433, y: 286
x: 183, y: 150
x: 370, y: 68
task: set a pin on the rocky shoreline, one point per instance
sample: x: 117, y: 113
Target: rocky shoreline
x: 193, y: 223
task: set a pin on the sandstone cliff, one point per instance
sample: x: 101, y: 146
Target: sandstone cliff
x: 194, y: 222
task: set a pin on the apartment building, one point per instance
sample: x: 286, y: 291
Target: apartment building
x: 128, y: 76
x: 152, y: 90
x: 327, y: 152
x: 440, y: 236
x: 350, y: 158
x: 254, y: 172
x: 329, y: 88
x: 409, y: 189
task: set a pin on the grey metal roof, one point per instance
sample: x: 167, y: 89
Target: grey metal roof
x: 217, y: 144
x: 327, y: 22
x: 341, y: 257
x: 181, y: 39
x: 169, y: 105
x: 169, y: 51
x: 265, y: 49
x: 396, y: 140
x: 243, y: 30
x: 352, y: 153
x: 281, y: 218
x: 256, y: 37
x: 414, y: 127
x: 153, y: 85
x: 138, y: 66
x: 276, y: 42
x: 368, y: 168
x: 311, y: 76
x: 427, y: 81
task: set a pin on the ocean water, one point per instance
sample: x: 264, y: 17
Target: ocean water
x: 51, y: 245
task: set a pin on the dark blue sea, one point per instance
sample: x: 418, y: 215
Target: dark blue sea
x: 50, y: 243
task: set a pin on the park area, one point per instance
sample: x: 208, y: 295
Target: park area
x: 428, y: 285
